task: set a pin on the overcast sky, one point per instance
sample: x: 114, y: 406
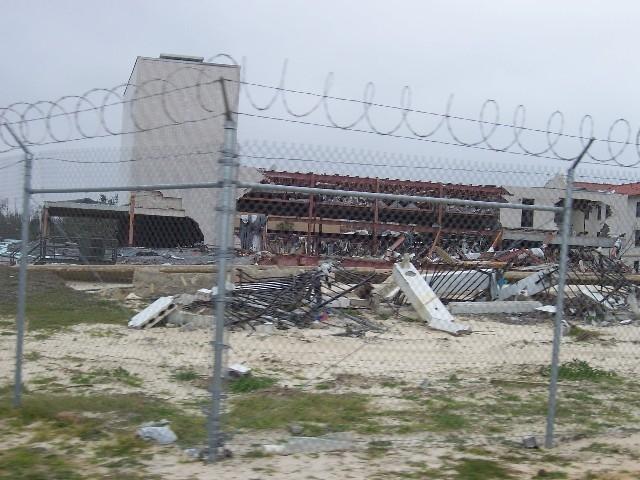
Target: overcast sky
x: 576, y: 56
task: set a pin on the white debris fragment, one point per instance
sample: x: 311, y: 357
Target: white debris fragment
x: 425, y: 302
x: 159, y: 432
x: 238, y: 370
x: 204, y: 294
x: 547, y: 308
x: 153, y: 314
x: 482, y: 308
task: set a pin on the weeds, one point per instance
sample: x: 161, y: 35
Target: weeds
x: 581, y: 370
x: 185, y: 375
x: 104, y: 375
x: 35, y: 463
x: 480, y: 469
x: 550, y: 474
x: 92, y: 417
x: 53, y: 306
x: 250, y: 383
x: 580, y: 334
x: 277, y: 410
x: 32, y: 356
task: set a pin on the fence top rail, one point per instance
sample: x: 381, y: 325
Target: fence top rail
x: 305, y: 190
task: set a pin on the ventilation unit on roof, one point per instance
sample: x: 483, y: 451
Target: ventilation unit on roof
x: 184, y: 58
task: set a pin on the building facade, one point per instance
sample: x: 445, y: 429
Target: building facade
x: 175, y: 105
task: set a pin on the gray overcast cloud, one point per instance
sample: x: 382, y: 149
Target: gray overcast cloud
x: 575, y: 56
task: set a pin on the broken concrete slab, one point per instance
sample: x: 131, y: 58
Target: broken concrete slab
x: 532, y: 284
x: 184, y: 299
x: 153, y: 314
x: 159, y: 432
x: 340, y: 302
x: 181, y: 318
x: 480, y: 308
x: 204, y: 294
x: 425, y: 302
x: 547, y: 309
x: 238, y: 370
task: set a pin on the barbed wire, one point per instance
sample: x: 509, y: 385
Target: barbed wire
x: 51, y: 118
x: 270, y: 155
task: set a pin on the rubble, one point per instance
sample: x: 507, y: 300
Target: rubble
x: 533, y: 284
x: 507, y: 307
x: 238, y: 370
x: 153, y: 314
x: 159, y: 432
x: 423, y: 299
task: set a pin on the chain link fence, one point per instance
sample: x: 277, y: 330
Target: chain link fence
x: 256, y: 299
x: 360, y: 309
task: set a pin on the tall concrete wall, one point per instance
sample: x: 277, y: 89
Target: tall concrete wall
x: 163, y: 92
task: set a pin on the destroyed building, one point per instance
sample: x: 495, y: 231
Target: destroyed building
x: 153, y: 221
x: 173, y: 104
x: 602, y: 214
x: 356, y: 226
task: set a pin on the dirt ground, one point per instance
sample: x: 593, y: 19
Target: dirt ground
x: 438, y: 406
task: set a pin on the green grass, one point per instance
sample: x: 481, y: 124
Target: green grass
x: 124, y: 450
x: 250, y: 383
x: 276, y: 410
x: 105, y: 375
x: 32, y: 356
x: 580, y: 334
x: 34, y: 463
x: 99, y: 415
x: 480, y: 469
x: 378, y: 448
x: 550, y: 474
x: 581, y: 370
x: 52, y: 306
x: 185, y: 375
x: 598, y: 447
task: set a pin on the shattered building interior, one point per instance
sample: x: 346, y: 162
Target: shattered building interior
x: 355, y: 226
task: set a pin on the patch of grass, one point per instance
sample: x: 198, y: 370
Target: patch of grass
x: 44, y: 380
x: 581, y: 370
x: 440, y: 414
x: 52, y: 306
x: 250, y: 383
x: 124, y: 450
x: 35, y: 463
x: 32, y: 356
x: 550, y: 474
x: 185, y: 375
x: 378, y: 448
x: 89, y: 417
x: 277, y: 410
x: 605, y: 448
x: 325, y: 386
x: 480, y: 469
x: 453, y: 378
x: 392, y: 383
x: 105, y: 375
x: 580, y: 334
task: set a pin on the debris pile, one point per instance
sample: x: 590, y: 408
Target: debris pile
x: 436, y: 287
x: 300, y: 300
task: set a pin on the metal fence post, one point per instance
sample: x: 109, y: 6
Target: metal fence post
x: 226, y: 212
x: 562, y: 275
x: 22, y: 276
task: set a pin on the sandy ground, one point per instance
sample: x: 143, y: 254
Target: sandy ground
x: 405, y: 351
